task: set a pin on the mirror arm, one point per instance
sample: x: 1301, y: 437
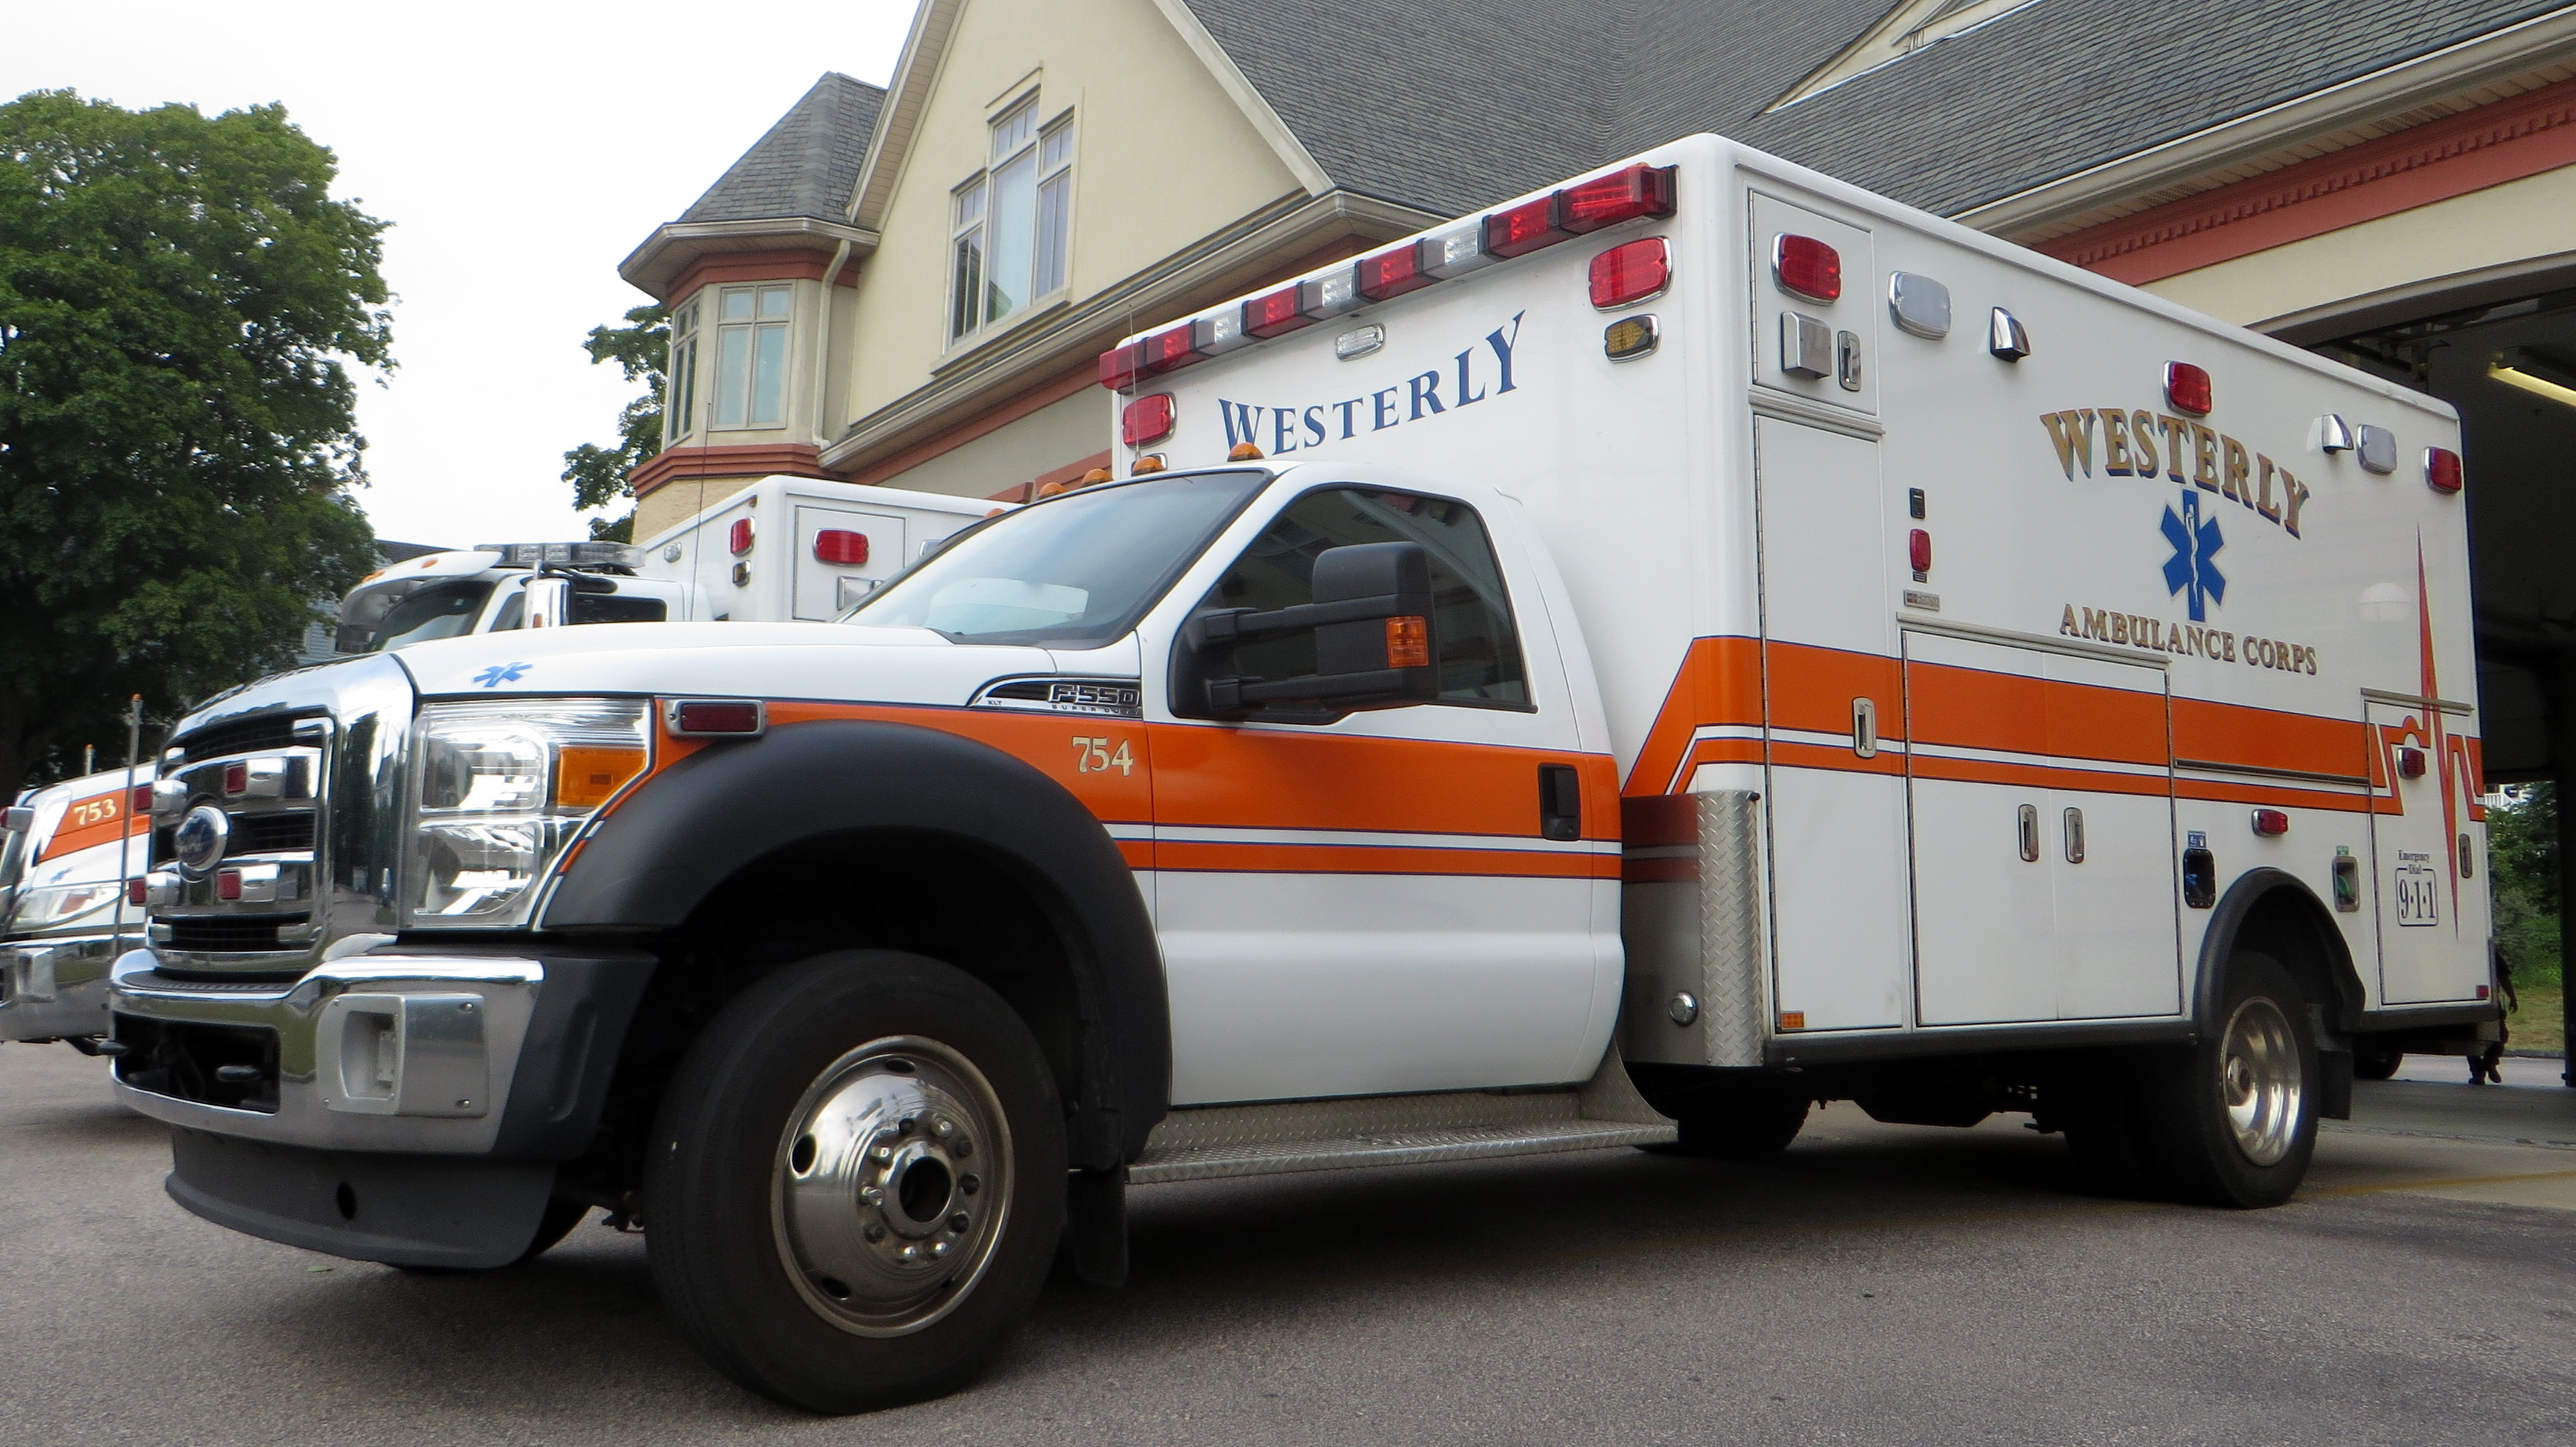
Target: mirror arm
x: 1242, y: 625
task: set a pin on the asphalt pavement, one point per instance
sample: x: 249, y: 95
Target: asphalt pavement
x: 1877, y: 1284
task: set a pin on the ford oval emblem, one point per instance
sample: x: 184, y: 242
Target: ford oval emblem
x: 201, y: 838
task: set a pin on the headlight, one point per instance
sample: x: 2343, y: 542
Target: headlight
x: 504, y: 786
x: 52, y: 906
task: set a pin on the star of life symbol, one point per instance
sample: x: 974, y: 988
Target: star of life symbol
x: 499, y: 674
x: 2190, y: 571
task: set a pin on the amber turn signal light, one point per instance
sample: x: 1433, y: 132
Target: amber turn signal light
x: 1408, y: 641
x: 587, y: 776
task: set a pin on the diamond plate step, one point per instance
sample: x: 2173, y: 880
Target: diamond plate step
x: 1206, y: 1142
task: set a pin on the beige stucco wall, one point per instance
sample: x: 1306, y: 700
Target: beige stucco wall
x: 682, y: 498
x: 1057, y: 435
x: 1162, y: 158
x: 2518, y: 221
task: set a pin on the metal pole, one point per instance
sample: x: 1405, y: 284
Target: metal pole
x: 2562, y: 775
x: 125, y: 839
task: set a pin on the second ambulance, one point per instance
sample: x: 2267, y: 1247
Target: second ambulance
x: 1612, y: 671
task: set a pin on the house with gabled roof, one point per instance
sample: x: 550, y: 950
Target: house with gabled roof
x: 910, y: 285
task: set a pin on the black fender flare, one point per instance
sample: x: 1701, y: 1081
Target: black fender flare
x: 2259, y: 886
x: 694, y: 825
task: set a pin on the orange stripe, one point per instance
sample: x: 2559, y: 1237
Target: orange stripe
x: 1984, y: 771
x: 2353, y: 803
x: 98, y: 819
x: 2263, y: 738
x: 2024, y: 714
x: 1813, y: 688
x: 1196, y: 855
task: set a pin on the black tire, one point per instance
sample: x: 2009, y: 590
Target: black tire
x: 1751, y: 1127
x: 2232, y: 1120
x: 2376, y: 1062
x: 2102, y: 1134
x: 900, y: 1076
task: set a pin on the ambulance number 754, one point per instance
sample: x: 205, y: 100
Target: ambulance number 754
x: 1093, y: 756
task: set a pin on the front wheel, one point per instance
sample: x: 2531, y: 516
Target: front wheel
x: 2232, y: 1121
x: 857, y: 1181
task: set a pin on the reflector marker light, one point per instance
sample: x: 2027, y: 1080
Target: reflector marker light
x: 228, y: 885
x: 2410, y: 763
x: 1804, y: 266
x: 2187, y: 388
x: 738, y: 537
x: 236, y: 778
x: 690, y: 718
x: 1918, y: 549
x: 2271, y: 823
x: 139, y: 799
x: 1146, y: 420
x: 2442, y: 469
x: 1393, y: 273
x: 1408, y: 641
x: 1631, y: 337
x: 1640, y: 190
x: 1631, y: 272
x: 135, y: 890
x: 1276, y: 314
x: 841, y: 547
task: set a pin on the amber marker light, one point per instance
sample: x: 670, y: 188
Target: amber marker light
x: 1408, y: 641
x: 588, y: 775
x: 1243, y: 452
x: 1150, y: 462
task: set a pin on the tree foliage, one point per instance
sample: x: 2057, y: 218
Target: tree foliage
x: 642, y: 350
x: 180, y: 302
x: 2522, y: 842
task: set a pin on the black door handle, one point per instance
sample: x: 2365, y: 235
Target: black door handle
x: 1560, y: 802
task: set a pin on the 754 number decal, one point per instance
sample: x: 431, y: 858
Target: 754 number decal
x: 1095, y: 756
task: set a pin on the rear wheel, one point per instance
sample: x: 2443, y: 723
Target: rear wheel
x: 2232, y: 1121
x: 1738, y: 1125
x: 2376, y: 1062
x: 857, y: 1182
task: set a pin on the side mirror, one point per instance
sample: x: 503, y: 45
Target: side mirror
x: 1372, y: 625
x: 549, y: 601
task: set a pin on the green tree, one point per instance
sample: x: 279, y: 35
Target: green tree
x: 180, y: 303
x: 599, y: 475
x: 2522, y: 840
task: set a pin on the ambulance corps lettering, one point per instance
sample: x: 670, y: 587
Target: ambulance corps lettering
x: 2145, y: 444
x: 1481, y: 371
x: 2186, y: 640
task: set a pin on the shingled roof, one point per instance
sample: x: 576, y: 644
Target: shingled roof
x: 1452, y: 104
x: 806, y: 164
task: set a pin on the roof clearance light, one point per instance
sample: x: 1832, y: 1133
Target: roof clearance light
x: 1150, y: 462
x: 2271, y: 823
x: 2187, y: 388
x: 738, y: 537
x: 1121, y: 367
x: 1244, y: 452
x: 1804, y: 266
x: 841, y: 548
x: 1628, y: 274
x: 1519, y: 230
x: 2442, y: 469
x: 1393, y: 273
x: 1456, y: 249
x: 1640, y: 190
x: 1171, y: 349
x: 1145, y: 420
x: 717, y: 717
x: 1276, y: 314
x: 1330, y: 295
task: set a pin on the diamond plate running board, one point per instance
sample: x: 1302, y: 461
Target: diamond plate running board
x: 1206, y: 1142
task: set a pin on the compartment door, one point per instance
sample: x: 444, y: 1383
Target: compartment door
x: 1837, y: 808
x: 2432, y: 923
x: 834, y: 573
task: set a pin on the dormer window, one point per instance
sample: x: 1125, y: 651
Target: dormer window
x: 1011, y: 222
x: 1905, y: 29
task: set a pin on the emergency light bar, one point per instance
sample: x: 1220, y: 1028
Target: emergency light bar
x: 570, y: 555
x: 1628, y: 194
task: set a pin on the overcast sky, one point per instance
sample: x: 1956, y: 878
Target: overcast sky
x: 520, y: 151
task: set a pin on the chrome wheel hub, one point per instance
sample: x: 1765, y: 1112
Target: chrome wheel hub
x: 2259, y: 1081
x: 893, y: 1178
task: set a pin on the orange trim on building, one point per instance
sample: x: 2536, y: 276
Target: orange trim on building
x: 683, y: 463
x: 721, y: 267
x: 2489, y: 146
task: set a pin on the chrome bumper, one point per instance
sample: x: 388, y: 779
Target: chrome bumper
x: 52, y: 988
x: 373, y: 1052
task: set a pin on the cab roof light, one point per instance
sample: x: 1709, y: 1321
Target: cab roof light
x: 1631, y: 272
x: 1806, y: 267
x: 1393, y: 273
x: 1150, y: 462
x: 1173, y: 348
x: 1146, y: 420
x: 576, y: 555
x: 1122, y: 367
x: 738, y: 537
x: 1244, y: 452
x: 1625, y: 195
x: 2442, y: 469
x: 691, y: 718
x: 1519, y: 230
x: 841, y: 548
x: 2187, y: 388
x: 1277, y: 314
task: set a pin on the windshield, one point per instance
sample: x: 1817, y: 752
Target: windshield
x: 397, y: 614
x: 1073, y: 572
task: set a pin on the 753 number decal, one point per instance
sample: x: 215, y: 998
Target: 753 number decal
x: 1095, y: 756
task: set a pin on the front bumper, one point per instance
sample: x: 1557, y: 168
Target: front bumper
x: 54, y: 988
x: 462, y: 1052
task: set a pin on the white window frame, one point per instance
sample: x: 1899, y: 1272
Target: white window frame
x: 754, y: 354
x: 680, y: 378
x: 983, y: 220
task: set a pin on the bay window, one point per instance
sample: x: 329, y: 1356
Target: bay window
x: 751, y: 355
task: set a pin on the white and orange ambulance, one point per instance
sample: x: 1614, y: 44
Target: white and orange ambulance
x: 1612, y: 671
x: 67, y: 854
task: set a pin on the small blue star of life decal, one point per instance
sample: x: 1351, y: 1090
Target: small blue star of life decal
x: 501, y: 673
x: 2191, y: 571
